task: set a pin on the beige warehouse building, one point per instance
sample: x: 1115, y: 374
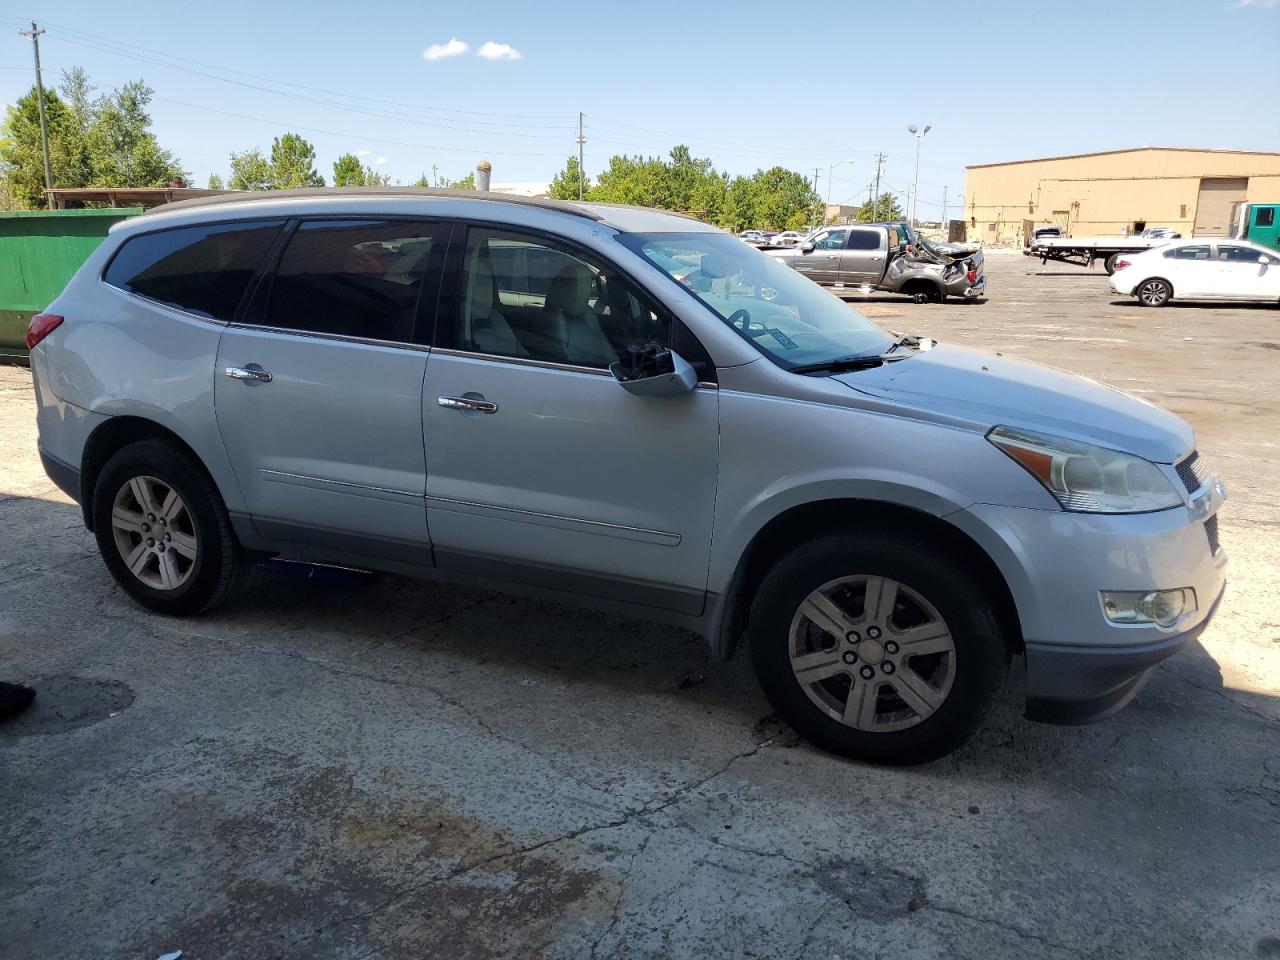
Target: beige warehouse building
x: 1118, y: 191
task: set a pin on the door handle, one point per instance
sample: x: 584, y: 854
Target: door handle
x: 250, y: 371
x: 467, y: 403
x: 877, y: 258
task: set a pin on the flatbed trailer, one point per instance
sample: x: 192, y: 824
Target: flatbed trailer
x: 1085, y: 250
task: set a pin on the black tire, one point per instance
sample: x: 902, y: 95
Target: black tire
x: 1155, y: 292
x: 1110, y: 264
x: 941, y: 577
x: 219, y: 566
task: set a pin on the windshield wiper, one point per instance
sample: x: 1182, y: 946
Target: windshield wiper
x: 903, y: 340
x: 847, y: 363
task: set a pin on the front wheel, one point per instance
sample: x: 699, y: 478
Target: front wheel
x: 163, y: 530
x: 1154, y: 292
x: 877, y: 647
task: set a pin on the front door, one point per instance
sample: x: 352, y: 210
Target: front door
x: 1246, y: 273
x: 318, y: 392
x: 540, y: 467
x: 864, y: 257
x: 822, y: 263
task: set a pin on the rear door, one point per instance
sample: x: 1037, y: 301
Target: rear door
x: 1190, y: 268
x: 822, y: 263
x: 541, y: 468
x: 864, y: 257
x: 318, y: 389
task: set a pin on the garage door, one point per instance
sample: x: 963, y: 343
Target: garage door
x: 1213, y: 209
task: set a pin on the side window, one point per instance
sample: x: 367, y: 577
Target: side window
x: 1193, y: 252
x: 534, y: 298
x: 200, y: 269
x: 831, y: 240
x: 1264, y: 217
x: 864, y: 240
x: 1235, y: 254
x: 357, y: 278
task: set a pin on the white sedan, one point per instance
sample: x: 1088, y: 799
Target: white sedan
x: 1199, y: 270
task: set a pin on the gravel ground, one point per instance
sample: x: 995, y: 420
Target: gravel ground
x: 377, y: 767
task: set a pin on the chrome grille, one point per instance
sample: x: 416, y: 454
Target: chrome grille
x: 1211, y: 531
x: 1192, y: 472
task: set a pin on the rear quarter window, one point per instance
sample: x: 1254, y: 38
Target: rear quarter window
x: 202, y: 269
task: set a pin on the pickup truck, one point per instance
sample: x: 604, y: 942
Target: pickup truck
x: 873, y: 257
x: 1085, y: 250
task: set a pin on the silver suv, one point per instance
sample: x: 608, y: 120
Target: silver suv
x: 631, y: 409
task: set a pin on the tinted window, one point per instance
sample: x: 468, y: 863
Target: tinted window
x: 831, y: 240
x: 1238, y: 254
x: 1193, y: 252
x: 358, y: 278
x: 533, y: 298
x: 864, y: 240
x: 201, y: 269
x: 1265, y: 217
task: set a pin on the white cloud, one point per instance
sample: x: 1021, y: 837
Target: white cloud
x: 380, y: 160
x: 1260, y: 4
x: 439, y: 51
x: 498, y: 51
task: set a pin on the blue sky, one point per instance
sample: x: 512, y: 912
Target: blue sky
x: 747, y: 84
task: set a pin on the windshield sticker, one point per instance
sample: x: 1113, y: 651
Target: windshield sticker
x: 782, y: 338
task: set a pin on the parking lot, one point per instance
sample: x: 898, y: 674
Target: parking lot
x: 377, y: 767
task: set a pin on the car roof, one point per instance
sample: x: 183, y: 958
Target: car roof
x: 623, y: 218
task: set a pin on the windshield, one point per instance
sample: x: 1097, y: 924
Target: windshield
x: 788, y: 318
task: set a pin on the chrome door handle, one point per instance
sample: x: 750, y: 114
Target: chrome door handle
x: 467, y: 403
x: 251, y: 372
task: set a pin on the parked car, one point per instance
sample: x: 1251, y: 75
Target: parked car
x: 754, y: 237
x: 874, y: 256
x: 542, y: 396
x: 1044, y: 233
x: 1199, y: 270
x: 787, y: 238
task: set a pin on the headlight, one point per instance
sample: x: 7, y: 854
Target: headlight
x: 1086, y: 478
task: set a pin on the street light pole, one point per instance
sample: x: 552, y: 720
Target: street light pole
x: 830, y: 169
x: 34, y: 36
x: 915, y: 183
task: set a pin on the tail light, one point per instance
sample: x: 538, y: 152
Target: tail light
x: 42, y: 324
x: 1121, y: 264
x: 972, y: 276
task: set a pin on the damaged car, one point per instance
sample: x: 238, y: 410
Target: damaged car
x: 866, y: 257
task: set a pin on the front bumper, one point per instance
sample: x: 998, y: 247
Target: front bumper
x: 1081, y: 666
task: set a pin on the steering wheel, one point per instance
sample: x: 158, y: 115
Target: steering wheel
x: 740, y: 319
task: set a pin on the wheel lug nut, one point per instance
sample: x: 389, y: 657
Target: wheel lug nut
x: 168, y: 536
x: 146, y: 528
x: 151, y: 542
x: 867, y: 673
x: 151, y: 517
x: 873, y: 632
x: 891, y: 647
x: 161, y: 548
x: 887, y: 666
x: 850, y: 657
x: 853, y: 636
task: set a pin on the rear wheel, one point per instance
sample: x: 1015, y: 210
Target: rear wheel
x: 1110, y: 264
x: 877, y: 647
x: 163, y: 530
x: 1154, y: 292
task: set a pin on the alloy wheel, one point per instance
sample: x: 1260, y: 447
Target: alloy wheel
x: 154, y: 531
x: 872, y: 653
x: 1153, y: 293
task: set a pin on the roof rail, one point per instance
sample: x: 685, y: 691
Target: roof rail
x: 252, y: 196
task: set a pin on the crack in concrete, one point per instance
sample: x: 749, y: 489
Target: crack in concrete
x: 1230, y: 699
x: 1002, y: 925
x: 622, y: 890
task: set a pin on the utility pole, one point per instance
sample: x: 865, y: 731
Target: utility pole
x: 34, y: 36
x: 582, y: 176
x: 435, y: 179
x: 944, y: 207
x: 875, y: 209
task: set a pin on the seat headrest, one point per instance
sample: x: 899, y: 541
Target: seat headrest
x: 572, y: 288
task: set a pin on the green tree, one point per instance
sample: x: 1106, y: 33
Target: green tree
x: 641, y: 181
x: 348, y: 171
x: 740, y: 202
x: 466, y: 183
x: 21, y: 154
x: 293, y: 163
x: 124, y: 151
x: 422, y: 181
x: 250, y: 171
x: 886, y: 208
x: 215, y: 182
x: 564, y: 185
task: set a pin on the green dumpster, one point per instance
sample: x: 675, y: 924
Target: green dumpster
x: 39, y: 252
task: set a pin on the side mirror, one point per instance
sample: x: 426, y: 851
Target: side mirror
x: 654, y: 371
x: 807, y: 247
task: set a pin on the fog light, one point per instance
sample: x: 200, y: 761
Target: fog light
x: 1164, y: 608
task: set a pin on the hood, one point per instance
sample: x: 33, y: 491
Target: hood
x: 991, y: 390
